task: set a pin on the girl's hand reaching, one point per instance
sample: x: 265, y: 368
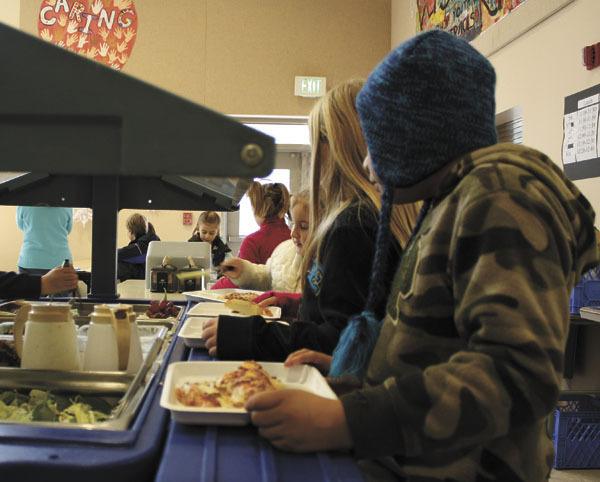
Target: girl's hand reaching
x: 289, y: 302
x: 320, y: 361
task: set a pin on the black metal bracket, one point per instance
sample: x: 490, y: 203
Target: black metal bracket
x: 95, y: 137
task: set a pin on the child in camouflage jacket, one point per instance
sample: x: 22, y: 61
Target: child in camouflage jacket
x: 468, y: 361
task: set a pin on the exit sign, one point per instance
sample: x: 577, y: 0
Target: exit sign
x: 310, y: 86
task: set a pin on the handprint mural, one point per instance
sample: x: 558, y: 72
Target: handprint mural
x: 101, y: 30
x: 463, y: 18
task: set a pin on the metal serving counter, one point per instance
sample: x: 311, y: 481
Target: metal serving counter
x: 123, y: 448
x: 153, y: 447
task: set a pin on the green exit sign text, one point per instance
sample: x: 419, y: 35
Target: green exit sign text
x: 310, y: 86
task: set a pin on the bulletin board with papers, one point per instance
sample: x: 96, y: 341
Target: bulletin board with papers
x: 581, y: 142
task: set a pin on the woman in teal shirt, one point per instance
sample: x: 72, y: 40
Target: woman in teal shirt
x: 45, y: 245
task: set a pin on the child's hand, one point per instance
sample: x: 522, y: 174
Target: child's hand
x: 300, y: 421
x: 320, y: 361
x: 232, y: 268
x: 289, y: 302
x: 59, y: 280
x: 209, y: 335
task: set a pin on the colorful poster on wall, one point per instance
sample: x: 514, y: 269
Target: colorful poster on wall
x: 101, y: 30
x: 463, y: 18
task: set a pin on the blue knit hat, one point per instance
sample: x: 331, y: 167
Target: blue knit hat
x: 429, y: 101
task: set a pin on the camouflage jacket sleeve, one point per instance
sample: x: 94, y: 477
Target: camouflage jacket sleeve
x: 508, y: 271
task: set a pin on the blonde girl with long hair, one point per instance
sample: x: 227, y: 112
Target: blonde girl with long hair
x: 341, y: 242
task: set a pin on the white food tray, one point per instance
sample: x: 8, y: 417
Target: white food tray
x: 301, y: 377
x: 191, y: 332
x: 215, y: 295
x: 212, y: 309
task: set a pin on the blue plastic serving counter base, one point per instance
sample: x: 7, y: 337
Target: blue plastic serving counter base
x: 224, y: 454
x: 47, y: 454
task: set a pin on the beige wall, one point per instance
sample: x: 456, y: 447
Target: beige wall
x: 404, y: 20
x: 9, y: 12
x: 536, y: 71
x: 235, y: 56
x: 241, y: 56
x: 539, y: 69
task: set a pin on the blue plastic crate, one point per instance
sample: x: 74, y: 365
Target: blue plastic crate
x: 577, y: 434
x: 585, y: 293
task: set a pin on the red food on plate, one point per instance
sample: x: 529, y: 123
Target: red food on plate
x: 162, y: 309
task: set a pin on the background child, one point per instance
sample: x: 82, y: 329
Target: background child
x: 282, y: 271
x: 270, y: 203
x: 132, y: 258
x: 207, y: 230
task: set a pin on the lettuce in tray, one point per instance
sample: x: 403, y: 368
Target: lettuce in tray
x: 44, y: 406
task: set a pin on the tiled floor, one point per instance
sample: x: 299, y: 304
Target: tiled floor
x: 575, y: 476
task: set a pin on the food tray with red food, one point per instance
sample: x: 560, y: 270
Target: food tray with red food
x: 191, y: 390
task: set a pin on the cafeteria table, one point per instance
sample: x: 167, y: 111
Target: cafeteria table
x: 194, y: 453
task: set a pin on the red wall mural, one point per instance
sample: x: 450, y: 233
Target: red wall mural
x: 463, y: 18
x: 101, y: 30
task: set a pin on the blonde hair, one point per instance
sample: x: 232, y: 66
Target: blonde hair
x: 338, y: 178
x: 302, y: 197
x: 269, y: 200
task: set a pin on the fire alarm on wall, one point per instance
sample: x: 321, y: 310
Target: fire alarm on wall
x: 187, y: 219
x: 591, y: 56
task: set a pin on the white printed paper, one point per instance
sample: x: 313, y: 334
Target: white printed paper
x: 587, y: 133
x: 598, y: 134
x: 570, y: 139
x: 592, y: 99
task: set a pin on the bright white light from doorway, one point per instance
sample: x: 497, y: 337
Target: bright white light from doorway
x: 285, y: 133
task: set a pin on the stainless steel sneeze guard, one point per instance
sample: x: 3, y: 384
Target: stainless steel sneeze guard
x: 117, y: 143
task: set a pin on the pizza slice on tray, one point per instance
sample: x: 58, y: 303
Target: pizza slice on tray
x: 233, y: 389
x: 250, y: 378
